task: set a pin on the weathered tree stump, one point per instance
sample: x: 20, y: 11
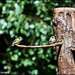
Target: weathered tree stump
x: 64, y: 28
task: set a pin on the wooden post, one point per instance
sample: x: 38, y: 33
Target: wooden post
x: 64, y: 28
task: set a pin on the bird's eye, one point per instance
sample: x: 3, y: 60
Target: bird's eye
x: 50, y: 41
x: 19, y: 37
x: 52, y: 36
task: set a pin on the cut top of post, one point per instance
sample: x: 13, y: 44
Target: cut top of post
x: 64, y: 8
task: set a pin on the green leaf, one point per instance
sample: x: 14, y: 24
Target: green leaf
x: 27, y: 26
x: 14, y: 57
x: 52, y: 66
x: 42, y: 56
x: 44, y: 30
x: 40, y: 51
x: 4, y: 62
x: 47, y: 18
x: 1, y: 31
x: 11, y: 33
x: 43, y: 38
x: 32, y: 26
x: 1, y: 4
x: 33, y: 58
x: 27, y: 62
x: 3, y: 9
x: 31, y: 52
x: 36, y: 2
x: 18, y: 9
x: 34, y: 72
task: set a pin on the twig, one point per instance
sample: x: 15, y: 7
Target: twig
x: 4, y: 54
x: 39, y: 46
x: 73, y: 49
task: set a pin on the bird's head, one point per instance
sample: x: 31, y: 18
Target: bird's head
x: 20, y: 38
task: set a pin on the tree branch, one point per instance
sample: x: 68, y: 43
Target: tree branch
x: 73, y: 49
x: 4, y: 54
x: 39, y: 46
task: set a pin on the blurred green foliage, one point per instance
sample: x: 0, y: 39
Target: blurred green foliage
x: 31, y: 19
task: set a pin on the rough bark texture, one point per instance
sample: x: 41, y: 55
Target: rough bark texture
x: 64, y: 28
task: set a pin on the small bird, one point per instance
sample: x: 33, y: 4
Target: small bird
x: 17, y: 41
x: 52, y: 40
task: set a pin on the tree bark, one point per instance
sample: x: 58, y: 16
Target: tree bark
x: 64, y: 29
